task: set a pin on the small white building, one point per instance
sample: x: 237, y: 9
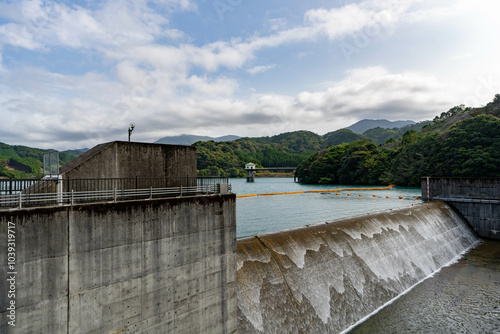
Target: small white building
x: 250, y: 166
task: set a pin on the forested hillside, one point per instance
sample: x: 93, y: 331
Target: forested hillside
x: 460, y: 142
x: 24, y: 162
x: 229, y: 158
x: 284, y: 150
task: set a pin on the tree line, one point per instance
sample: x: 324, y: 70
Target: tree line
x: 467, y: 146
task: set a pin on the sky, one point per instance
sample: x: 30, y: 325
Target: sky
x: 74, y: 74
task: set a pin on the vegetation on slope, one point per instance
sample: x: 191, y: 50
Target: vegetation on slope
x: 25, y: 162
x: 229, y: 158
x: 461, y: 142
x: 284, y: 150
x: 382, y: 135
x: 340, y: 137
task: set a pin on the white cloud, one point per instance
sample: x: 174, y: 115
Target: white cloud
x: 175, y: 88
x: 119, y: 28
x: 17, y: 35
x: 260, y: 69
x: 375, y: 90
x: 463, y: 56
x: 81, y: 111
x: 115, y: 23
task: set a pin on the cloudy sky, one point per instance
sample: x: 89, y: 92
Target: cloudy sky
x: 75, y: 73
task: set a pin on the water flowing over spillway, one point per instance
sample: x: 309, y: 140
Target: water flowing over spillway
x: 325, y: 277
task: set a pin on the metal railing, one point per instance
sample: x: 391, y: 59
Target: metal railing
x: 72, y: 191
x: 13, y: 186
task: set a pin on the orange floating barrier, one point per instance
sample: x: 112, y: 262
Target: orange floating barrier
x: 324, y: 191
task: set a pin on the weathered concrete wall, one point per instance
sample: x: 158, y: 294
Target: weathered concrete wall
x: 324, y: 278
x: 471, y: 187
x: 161, y: 266
x: 41, y: 263
x: 477, y: 199
x: 483, y: 217
x: 128, y: 160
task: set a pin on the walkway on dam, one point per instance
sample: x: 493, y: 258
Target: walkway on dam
x: 16, y: 194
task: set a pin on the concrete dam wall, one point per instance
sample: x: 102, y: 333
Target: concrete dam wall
x: 477, y: 199
x: 159, y: 266
x: 324, y: 278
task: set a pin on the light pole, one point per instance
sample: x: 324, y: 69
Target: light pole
x: 130, y: 129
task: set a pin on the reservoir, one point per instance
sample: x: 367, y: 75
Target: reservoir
x: 461, y: 297
x: 262, y: 214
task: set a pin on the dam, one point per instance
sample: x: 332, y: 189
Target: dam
x: 160, y: 255
x: 326, y: 277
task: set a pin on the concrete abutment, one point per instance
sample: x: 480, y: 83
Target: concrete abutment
x: 155, y: 266
x: 476, y: 199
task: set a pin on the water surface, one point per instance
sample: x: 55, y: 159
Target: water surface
x: 461, y: 298
x: 262, y: 214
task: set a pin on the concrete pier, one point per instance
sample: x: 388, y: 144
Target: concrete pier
x: 160, y: 266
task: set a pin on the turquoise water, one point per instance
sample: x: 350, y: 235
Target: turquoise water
x: 262, y: 214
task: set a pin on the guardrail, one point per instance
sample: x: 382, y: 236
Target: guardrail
x: 468, y: 199
x: 50, y: 191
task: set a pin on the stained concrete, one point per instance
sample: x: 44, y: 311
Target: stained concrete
x: 477, y: 199
x: 128, y: 160
x: 161, y: 266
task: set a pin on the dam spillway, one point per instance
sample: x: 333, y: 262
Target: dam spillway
x: 326, y: 277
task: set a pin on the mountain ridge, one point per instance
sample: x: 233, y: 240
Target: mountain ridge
x: 188, y: 139
x: 363, y: 125
x: 358, y: 128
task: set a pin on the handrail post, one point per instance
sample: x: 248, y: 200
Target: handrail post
x: 150, y: 193
x: 181, y: 189
x: 72, y: 197
x: 67, y: 189
x: 20, y: 200
x: 114, y: 196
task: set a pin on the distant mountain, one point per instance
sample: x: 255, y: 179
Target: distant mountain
x: 191, y: 139
x: 75, y: 152
x: 367, y: 124
x: 380, y: 135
